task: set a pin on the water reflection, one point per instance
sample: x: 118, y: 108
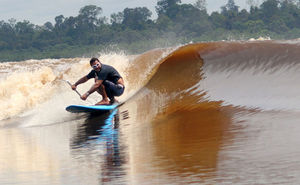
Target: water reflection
x: 100, y: 134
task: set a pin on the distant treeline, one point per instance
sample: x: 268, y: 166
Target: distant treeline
x: 134, y: 30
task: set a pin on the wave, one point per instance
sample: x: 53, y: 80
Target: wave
x: 250, y: 74
x: 253, y: 75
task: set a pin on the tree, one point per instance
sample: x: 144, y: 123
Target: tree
x: 218, y: 20
x: 290, y: 13
x: 59, y: 20
x: 164, y: 23
x: 90, y: 16
x: 201, y: 5
x: 24, y: 27
x: 8, y: 36
x: 117, y: 18
x: 12, y: 22
x: 136, y: 18
x: 231, y: 6
x: 278, y: 26
x: 255, y: 26
x: 48, y: 26
x: 167, y: 7
x: 270, y: 7
x: 230, y: 11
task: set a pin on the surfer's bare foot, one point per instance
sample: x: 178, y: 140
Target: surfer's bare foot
x: 103, y: 102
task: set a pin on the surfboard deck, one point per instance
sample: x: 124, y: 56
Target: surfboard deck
x: 90, y: 108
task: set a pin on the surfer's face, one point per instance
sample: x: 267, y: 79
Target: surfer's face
x: 96, y: 65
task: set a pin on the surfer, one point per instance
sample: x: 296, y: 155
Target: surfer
x: 108, y: 82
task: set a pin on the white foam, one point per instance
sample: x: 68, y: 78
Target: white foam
x: 36, y: 88
x: 260, y: 39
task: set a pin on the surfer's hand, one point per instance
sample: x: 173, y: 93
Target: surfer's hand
x: 73, y: 87
x: 84, y: 97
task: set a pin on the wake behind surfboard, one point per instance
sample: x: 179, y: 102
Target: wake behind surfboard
x: 90, y: 109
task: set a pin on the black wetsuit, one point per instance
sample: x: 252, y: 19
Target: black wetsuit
x: 110, y: 77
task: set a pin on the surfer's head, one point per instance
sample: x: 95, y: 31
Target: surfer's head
x: 95, y: 64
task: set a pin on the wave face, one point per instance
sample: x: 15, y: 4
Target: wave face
x: 216, y: 113
x: 259, y: 75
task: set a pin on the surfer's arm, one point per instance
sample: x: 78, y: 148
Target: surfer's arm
x: 92, y: 89
x: 80, y: 81
x: 95, y: 86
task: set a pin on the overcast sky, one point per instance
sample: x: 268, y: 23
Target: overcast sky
x: 41, y: 11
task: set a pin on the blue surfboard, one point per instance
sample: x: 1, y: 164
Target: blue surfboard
x: 90, y: 108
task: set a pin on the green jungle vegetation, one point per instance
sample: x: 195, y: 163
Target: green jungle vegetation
x: 133, y: 30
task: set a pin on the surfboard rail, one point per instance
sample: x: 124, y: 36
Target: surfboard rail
x: 90, y: 108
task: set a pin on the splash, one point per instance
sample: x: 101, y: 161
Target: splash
x: 24, y: 90
x: 260, y: 39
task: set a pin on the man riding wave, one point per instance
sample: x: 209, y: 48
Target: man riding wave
x: 108, y: 82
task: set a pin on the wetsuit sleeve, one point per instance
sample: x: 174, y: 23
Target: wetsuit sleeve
x: 91, y: 75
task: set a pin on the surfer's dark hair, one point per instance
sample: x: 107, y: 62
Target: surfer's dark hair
x: 93, y: 60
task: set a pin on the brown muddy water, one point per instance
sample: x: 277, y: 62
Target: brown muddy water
x: 206, y: 113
